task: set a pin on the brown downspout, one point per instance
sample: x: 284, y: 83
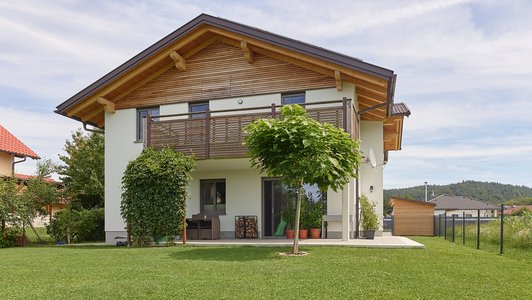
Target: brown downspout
x: 92, y: 130
x: 14, y: 163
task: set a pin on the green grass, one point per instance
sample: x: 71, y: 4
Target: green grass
x: 41, y: 231
x: 441, y: 271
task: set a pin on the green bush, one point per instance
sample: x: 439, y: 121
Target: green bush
x: 370, y: 220
x: 8, y: 237
x: 84, y: 225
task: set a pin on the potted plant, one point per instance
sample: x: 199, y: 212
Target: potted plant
x: 304, y: 218
x: 289, y: 216
x: 370, y: 221
x: 316, y: 219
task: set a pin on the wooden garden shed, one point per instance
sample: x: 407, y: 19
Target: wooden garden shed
x: 411, y: 217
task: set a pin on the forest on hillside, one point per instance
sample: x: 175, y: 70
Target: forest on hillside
x: 491, y: 192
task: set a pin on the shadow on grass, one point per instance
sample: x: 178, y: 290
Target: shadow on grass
x: 241, y: 253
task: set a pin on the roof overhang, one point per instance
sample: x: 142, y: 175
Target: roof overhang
x: 374, y: 84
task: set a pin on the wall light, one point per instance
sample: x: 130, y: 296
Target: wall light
x: 371, y: 189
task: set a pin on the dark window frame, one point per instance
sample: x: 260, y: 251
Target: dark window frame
x: 214, y: 183
x: 293, y: 95
x: 140, y: 124
x: 193, y: 104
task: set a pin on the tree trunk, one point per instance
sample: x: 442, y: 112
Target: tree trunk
x: 34, y: 231
x: 3, y: 225
x: 68, y: 235
x: 23, y: 234
x: 295, y: 248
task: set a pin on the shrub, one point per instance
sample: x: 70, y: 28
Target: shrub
x: 154, y: 190
x: 369, y: 216
x: 84, y: 225
x: 8, y: 237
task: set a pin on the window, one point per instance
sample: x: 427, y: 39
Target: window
x: 198, y: 107
x: 212, y: 196
x: 293, y: 98
x: 142, y: 113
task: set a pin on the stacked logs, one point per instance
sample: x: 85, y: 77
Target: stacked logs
x: 246, y: 227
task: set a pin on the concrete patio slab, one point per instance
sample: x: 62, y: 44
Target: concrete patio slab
x: 378, y: 242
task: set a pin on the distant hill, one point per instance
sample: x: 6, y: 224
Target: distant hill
x: 491, y: 192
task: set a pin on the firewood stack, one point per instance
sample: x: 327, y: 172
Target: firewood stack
x: 246, y: 227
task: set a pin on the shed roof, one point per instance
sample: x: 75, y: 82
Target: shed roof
x: 10, y: 144
x: 394, y: 199
x: 450, y: 202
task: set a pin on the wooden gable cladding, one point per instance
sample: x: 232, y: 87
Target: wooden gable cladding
x: 221, y: 71
x: 393, y: 129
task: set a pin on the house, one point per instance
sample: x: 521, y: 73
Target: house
x: 11, y: 148
x: 412, y: 217
x: 197, y: 88
x: 457, y: 205
x: 510, y: 209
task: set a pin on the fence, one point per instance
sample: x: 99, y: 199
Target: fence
x: 458, y: 228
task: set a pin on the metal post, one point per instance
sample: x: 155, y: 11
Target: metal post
x: 208, y: 133
x: 184, y: 235
x: 148, y: 131
x: 463, y: 228
x: 453, y: 227
x: 478, y: 229
x: 502, y: 228
x: 426, y: 192
x: 344, y: 113
x: 439, y: 225
x: 445, y: 226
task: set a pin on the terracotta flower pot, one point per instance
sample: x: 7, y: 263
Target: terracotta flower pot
x: 315, y: 233
x: 290, y: 234
x: 303, y: 233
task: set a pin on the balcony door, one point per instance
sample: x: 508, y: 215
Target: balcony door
x: 274, y: 199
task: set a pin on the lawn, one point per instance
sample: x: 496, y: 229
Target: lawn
x: 441, y: 271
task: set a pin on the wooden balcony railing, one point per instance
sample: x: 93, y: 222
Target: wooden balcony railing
x: 220, y: 133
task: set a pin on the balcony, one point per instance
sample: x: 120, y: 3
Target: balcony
x: 220, y: 133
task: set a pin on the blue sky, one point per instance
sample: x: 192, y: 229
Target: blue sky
x: 464, y: 69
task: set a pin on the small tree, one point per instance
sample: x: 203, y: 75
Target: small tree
x: 8, y: 201
x: 302, y: 150
x: 370, y: 221
x: 154, y: 192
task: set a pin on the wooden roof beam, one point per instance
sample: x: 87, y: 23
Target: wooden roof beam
x: 338, y: 79
x: 80, y: 107
x: 248, y: 53
x: 180, y: 62
x: 91, y: 115
x: 107, y: 105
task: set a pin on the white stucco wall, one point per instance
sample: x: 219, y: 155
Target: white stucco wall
x: 120, y: 148
x: 371, y: 136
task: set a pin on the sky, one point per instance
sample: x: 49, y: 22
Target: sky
x: 464, y: 68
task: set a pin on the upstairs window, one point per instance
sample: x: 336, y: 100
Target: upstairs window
x: 298, y: 98
x: 198, y: 107
x: 212, y: 196
x: 142, y: 113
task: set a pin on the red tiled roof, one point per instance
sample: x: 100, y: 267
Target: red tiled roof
x: 10, y: 144
x: 26, y: 177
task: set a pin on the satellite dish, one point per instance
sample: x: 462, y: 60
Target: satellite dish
x: 371, y: 158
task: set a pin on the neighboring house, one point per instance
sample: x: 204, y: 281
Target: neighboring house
x: 204, y: 83
x: 12, y: 148
x: 412, y: 217
x: 452, y: 205
x: 510, y: 209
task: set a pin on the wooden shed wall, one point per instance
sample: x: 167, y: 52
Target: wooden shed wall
x: 412, y: 218
x: 221, y: 71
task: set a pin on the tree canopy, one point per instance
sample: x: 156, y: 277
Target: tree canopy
x: 83, y: 169
x: 299, y: 150
x: 154, y: 191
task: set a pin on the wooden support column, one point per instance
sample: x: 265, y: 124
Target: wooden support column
x: 180, y: 62
x: 345, y: 212
x: 338, y: 79
x: 248, y: 53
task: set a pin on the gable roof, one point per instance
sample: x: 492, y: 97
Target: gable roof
x: 449, y: 202
x: 10, y: 144
x: 204, y: 19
